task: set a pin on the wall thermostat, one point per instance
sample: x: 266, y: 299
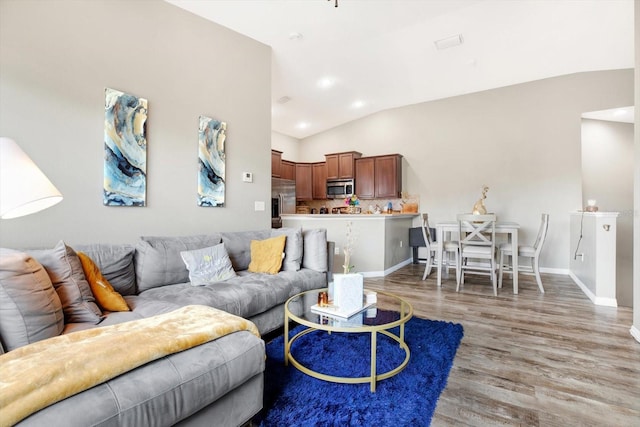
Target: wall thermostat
x: 247, y: 176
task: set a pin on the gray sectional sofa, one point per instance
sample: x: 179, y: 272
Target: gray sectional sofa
x: 219, y: 383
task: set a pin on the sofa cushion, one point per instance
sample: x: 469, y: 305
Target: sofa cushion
x: 292, y: 249
x: 238, y: 245
x: 158, y: 260
x: 245, y: 295
x: 30, y: 309
x: 106, y: 297
x: 315, y: 249
x: 208, y: 265
x: 164, y: 391
x: 65, y: 270
x: 116, y: 263
x: 266, y: 255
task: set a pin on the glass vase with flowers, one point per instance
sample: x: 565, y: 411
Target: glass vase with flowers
x: 352, y: 202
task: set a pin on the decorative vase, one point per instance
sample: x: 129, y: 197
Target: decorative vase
x: 479, y: 208
x: 351, y: 209
x: 348, y: 291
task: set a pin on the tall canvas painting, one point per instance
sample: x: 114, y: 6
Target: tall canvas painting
x: 125, y: 149
x: 211, y: 159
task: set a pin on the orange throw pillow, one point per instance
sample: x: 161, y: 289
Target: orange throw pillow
x: 106, y: 297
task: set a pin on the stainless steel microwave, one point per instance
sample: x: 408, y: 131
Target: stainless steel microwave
x: 340, y: 188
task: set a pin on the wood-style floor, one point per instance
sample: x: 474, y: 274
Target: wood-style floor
x: 531, y: 359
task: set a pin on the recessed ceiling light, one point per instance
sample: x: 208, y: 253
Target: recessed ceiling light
x: 449, y: 42
x: 302, y: 125
x: 295, y: 36
x: 326, y: 82
x: 357, y: 104
x: 283, y: 99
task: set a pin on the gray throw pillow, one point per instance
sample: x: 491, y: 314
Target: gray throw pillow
x: 158, y: 260
x: 115, y: 262
x: 208, y: 265
x: 30, y: 309
x: 238, y: 246
x: 65, y: 271
x: 293, y: 247
x: 315, y: 249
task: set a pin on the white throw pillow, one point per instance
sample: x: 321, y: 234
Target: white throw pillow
x: 208, y: 265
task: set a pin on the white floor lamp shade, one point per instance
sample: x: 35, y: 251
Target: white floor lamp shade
x: 24, y: 189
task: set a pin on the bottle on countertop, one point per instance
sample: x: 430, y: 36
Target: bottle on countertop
x: 389, y: 207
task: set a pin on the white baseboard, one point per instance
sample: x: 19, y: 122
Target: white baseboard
x: 635, y: 333
x: 388, y: 270
x: 607, y: 302
x: 562, y: 271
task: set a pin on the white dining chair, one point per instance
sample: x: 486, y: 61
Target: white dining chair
x: 432, y: 248
x: 532, y: 252
x: 477, y: 242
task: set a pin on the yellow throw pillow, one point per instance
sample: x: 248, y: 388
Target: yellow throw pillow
x: 106, y: 297
x: 266, y: 255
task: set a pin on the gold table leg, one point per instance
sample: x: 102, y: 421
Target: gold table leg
x: 374, y: 346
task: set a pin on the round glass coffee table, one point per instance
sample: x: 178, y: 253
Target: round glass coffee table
x: 390, y: 311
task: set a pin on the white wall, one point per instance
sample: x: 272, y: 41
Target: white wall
x: 607, y: 177
x: 56, y: 59
x: 523, y: 141
x: 289, y: 146
x: 635, y: 329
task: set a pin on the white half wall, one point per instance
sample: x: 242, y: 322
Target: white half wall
x: 607, y: 177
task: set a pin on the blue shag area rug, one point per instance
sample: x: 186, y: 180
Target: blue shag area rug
x: 292, y: 398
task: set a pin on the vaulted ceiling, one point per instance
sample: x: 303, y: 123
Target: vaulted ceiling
x: 332, y: 64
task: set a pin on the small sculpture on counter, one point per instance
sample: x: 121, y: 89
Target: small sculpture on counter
x: 479, y: 208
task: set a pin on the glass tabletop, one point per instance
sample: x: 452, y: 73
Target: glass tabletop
x: 388, y: 311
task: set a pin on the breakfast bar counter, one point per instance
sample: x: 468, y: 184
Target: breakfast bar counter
x: 380, y: 241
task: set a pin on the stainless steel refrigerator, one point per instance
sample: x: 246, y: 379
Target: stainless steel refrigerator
x: 283, y: 200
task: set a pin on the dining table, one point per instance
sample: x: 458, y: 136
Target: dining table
x: 445, y: 228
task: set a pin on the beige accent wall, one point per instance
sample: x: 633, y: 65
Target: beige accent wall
x: 57, y: 57
x: 607, y: 177
x: 523, y: 141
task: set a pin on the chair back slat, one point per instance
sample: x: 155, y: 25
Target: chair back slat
x: 477, y: 230
x: 426, y: 234
x: 542, y: 233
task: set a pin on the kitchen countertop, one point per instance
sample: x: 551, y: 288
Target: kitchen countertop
x: 350, y: 216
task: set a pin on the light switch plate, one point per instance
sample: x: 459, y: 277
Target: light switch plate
x: 258, y: 206
x: 247, y: 177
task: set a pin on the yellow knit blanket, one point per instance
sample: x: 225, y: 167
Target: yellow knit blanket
x: 40, y: 374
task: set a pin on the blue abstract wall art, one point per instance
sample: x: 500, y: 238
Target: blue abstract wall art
x: 211, y: 160
x: 125, y: 149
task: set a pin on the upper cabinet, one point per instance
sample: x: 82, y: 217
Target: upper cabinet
x: 365, y: 178
x: 276, y: 167
x: 304, y: 181
x: 379, y: 177
x: 319, y: 179
x: 341, y: 165
x: 287, y: 169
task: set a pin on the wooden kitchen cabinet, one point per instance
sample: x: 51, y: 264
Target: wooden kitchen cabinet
x: 304, y: 182
x: 365, y: 178
x: 379, y: 177
x: 341, y: 165
x: 319, y: 178
x: 388, y: 176
x: 287, y: 169
x: 276, y: 162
